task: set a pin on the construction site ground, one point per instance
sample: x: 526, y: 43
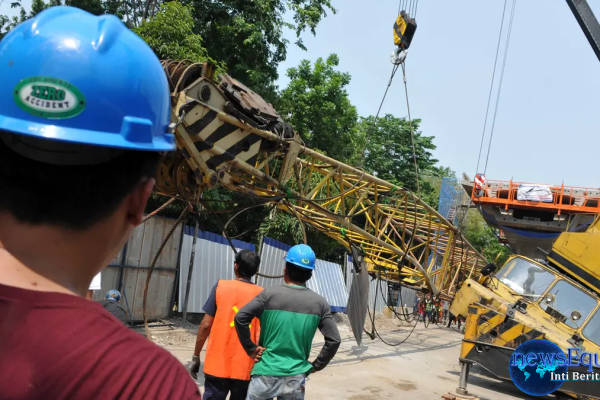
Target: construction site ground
x: 425, y: 366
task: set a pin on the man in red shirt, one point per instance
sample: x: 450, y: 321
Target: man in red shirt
x: 84, y: 118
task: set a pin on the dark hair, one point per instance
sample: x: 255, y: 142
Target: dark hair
x: 297, y: 274
x: 72, y: 197
x: 247, y: 262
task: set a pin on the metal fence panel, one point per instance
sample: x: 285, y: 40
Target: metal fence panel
x: 272, y: 253
x: 129, y: 269
x: 213, y: 261
x: 327, y: 280
x: 380, y: 293
x: 406, y: 297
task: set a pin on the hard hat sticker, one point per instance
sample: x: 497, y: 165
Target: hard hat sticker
x: 305, y: 261
x: 50, y: 98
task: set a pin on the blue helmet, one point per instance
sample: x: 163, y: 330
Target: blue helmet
x: 302, y: 256
x: 81, y: 79
x: 113, y: 295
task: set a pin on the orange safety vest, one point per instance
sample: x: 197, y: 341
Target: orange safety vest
x: 225, y: 356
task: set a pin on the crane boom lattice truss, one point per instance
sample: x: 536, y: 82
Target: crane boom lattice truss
x: 228, y: 135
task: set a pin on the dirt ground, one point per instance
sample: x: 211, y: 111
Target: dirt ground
x: 424, y: 366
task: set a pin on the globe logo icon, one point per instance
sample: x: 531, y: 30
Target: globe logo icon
x: 533, y: 364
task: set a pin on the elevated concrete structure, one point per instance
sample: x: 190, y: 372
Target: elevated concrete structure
x: 528, y: 224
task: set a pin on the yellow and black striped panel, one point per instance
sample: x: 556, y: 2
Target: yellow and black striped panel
x: 497, y: 329
x: 219, y: 142
x: 404, y: 30
x: 399, y: 29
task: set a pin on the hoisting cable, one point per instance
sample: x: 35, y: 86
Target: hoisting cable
x: 395, y: 66
x: 394, y: 69
x: 490, y: 95
x: 159, y: 209
x: 374, y: 330
x: 412, y: 139
x: 512, y: 15
x: 491, y: 87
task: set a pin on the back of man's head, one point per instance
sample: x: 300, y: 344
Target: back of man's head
x: 297, y: 274
x: 75, y: 144
x: 74, y: 198
x: 247, y: 263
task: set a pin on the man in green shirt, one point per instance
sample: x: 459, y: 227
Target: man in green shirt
x: 289, y: 317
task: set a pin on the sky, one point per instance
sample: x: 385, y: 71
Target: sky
x: 548, y: 123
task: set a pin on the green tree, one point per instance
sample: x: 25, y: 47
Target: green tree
x: 6, y: 23
x: 171, y: 34
x: 248, y: 36
x: 287, y: 229
x: 121, y: 8
x: 389, y: 153
x: 316, y: 103
x: 484, y: 238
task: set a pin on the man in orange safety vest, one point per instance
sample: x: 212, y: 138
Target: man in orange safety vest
x: 227, y: 366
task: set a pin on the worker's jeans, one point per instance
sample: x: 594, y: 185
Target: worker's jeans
x: 283, y: 387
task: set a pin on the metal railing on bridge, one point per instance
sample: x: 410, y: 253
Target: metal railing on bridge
x: 560, y: 199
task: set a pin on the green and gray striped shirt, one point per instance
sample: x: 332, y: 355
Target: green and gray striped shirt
x: 289, y: 318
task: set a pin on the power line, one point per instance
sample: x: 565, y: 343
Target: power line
x: 500, y: 85
x: 491, y: 87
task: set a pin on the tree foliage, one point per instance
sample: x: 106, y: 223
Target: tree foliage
x: 248, y: 36
x: 287, y: 229
x: 316, y: 103
x: 389, y: 153
x: 484, y: 238
x: 171, y: 34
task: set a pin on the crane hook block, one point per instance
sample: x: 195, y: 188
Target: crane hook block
x: 404, y: 30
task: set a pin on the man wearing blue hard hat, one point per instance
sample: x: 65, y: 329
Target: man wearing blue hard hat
x: 289, y: 317
x: 111, y: 303
x: 84, y: 118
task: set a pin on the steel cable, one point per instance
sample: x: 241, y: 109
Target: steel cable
x: 374, y: 329
x: 491, y: 87
x: 412, y: 139
x: 159, y: 209
x: 512, y: 14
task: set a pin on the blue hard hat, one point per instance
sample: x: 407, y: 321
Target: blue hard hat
x: 302, y: 256
x: 113, y: 295
x: 74, y: 77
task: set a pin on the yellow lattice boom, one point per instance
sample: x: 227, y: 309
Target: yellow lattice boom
x: 228, y: 135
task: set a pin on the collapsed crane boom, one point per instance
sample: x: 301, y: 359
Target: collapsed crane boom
x: 587, y: 21
x: 228, y: 135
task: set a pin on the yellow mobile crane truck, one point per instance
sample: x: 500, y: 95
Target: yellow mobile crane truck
x: 555, y: 297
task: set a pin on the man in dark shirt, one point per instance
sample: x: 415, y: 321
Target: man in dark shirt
x: 111, y: 304
x: 227, y: 367
x: 79, y: 147
x: 289, y: 317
